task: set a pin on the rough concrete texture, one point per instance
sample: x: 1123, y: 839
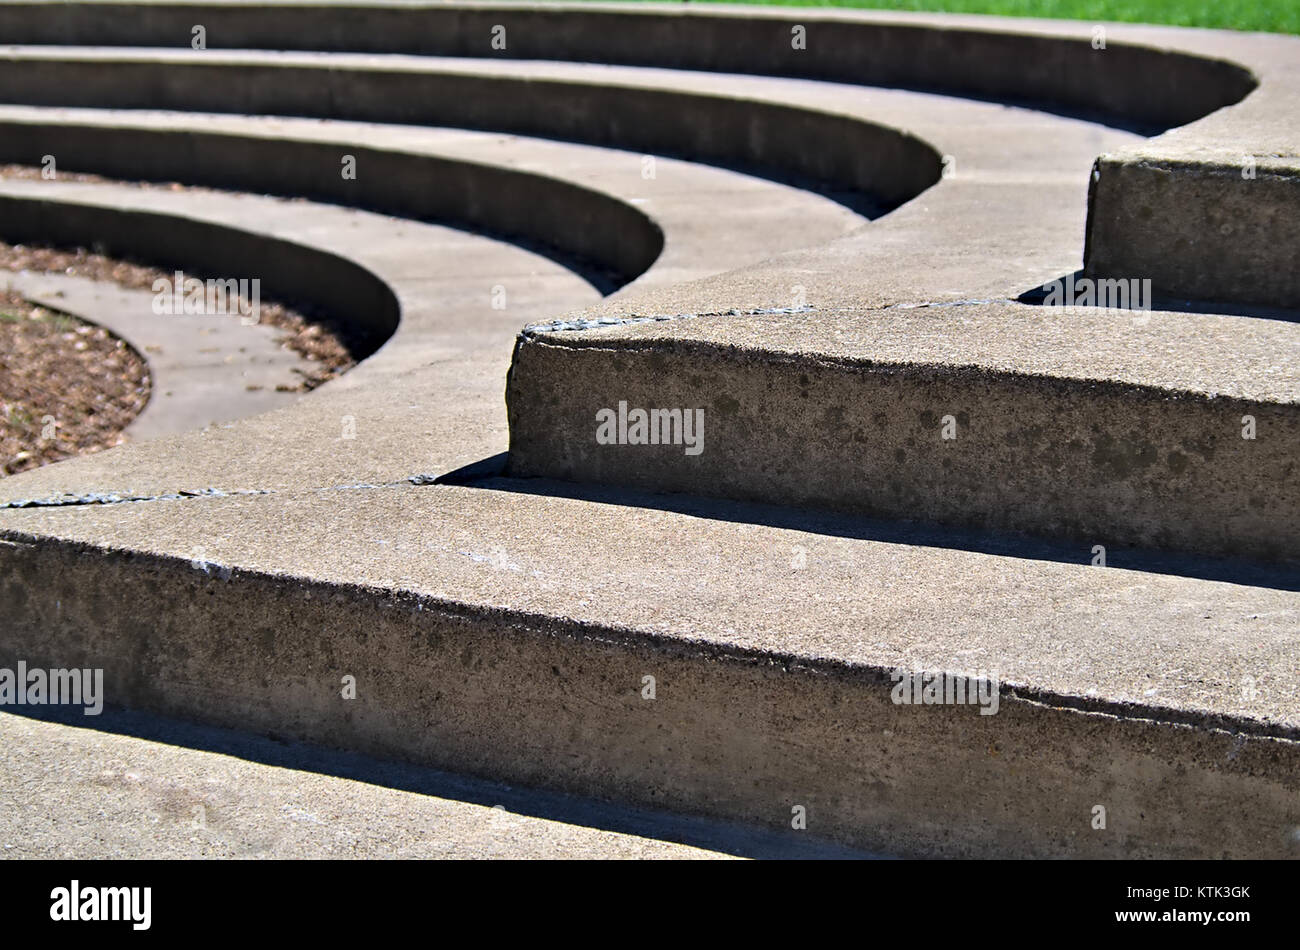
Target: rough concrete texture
x: 1210, y: 210
x: 1217, y: 230
x: 503, y: 628
x: 821, y: 410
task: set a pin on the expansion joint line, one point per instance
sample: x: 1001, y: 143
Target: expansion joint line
x: 595, y: 323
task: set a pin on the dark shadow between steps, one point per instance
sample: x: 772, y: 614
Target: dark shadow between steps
x: 1037, y: 297
x: 862, y: 201
x: 487, y: 474
x: 709, y: 834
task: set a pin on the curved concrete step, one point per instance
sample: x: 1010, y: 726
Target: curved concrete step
x: 1050, y: 63
x: 647, y: 110
x: 619, y: 212
x: 1156, y: 77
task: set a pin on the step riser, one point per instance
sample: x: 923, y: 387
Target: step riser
x: 499, y: 695
x: 1201, y: 232
x: 1104, y: 464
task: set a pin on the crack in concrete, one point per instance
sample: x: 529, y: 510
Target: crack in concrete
x: 596, y: 323
x: 557, y: 326
x: 970, y: 302
x: 119, y: 498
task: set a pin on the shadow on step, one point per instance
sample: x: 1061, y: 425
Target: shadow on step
x: 708, y: 834
x: 486, y: 474
x: 1081, y: 289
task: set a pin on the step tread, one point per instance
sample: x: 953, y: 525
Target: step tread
x: 92, y: 794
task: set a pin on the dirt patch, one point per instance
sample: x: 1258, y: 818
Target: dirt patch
x: 67, y: 387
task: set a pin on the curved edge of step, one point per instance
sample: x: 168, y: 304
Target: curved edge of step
x: 1038, y: 61
x: 337, y: 285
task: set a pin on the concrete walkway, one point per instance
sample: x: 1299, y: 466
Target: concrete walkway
x: 206, y: 368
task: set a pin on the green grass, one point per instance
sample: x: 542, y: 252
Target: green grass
x: 20, y: 419
x: 64, y: 323
x: 1273, y: 16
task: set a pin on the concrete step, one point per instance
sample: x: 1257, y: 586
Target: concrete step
x: 1112, y: 428
x: 653, y: 111
x: 1208, y: 211
x: 130, y: 786
x: 729, y: 661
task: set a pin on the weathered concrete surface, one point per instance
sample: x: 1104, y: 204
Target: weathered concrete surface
x: 1169, y: 221
x: 508, y: 635
x: 1211, y: 210
x: 1095, y: 426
